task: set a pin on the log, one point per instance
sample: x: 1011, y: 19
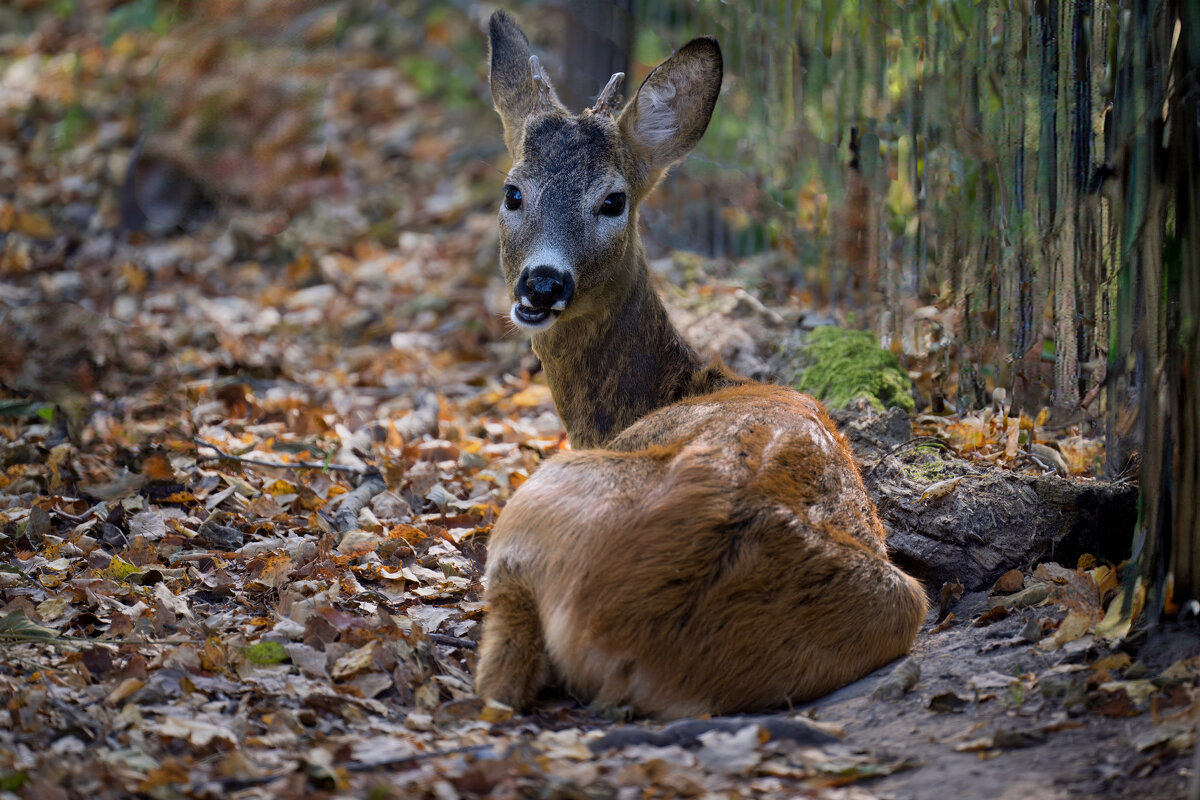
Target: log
x: 993, y: 519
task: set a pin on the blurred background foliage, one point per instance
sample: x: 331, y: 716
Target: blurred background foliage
x: 1005, y: 193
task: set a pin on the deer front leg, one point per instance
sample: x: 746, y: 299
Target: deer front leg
x: 512, y: 662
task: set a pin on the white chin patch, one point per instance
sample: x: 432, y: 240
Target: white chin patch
x: 531, y: 319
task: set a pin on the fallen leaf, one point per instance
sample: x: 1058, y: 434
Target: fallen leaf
x: 198, y: 733
x: 1009, y: 582
x: 1185, y: 669
x: 951, y: 592
x: 992, y: 680
x: 120, y: 569
x: 944, y: 624
x: 730, y: 753
x: 940, y: 489
x: 1138, y: 691
x: 1073, y: 627
x: 570, y: 744
x: 354, y: 662
x: 55, y: 607
x: 1115, y: 661
x: 1120, y: 615
x: 532, y: 396
x: 311, y: 660
x: 993, y: 614
x: 495, y: 711
x: 1032, y: 596
x: 1117, y: 704
x: 948, y: 702
x: 123, y: 690
x: 18, y: 625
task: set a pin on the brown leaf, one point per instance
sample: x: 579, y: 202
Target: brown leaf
x: 98, y: 660
x: 1115, y: 704
x: 157, y: 467
x: 532, y: 396
x: 1034, y: 595
x: 1073, y: 627
x: 1118, y: 661
x: 951, y: 592
x: 354, y: 662
x: 319, y: 632
x: 123, y: 690
x: 994, y: 614
x: 1009, y: 582
x: 944, y: 624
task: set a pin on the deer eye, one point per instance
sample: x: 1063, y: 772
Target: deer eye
x: 613, y: 205
x: 512, y: 198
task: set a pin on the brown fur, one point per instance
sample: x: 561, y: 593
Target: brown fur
x: 719, y: 553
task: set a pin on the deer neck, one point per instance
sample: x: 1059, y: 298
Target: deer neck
x: 609, y: 366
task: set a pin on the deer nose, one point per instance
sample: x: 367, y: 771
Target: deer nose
x: 545, y: 287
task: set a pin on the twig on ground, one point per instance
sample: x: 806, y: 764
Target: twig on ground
x: 346, y: 517
x: 221, y: 455
x: 452, y: 641
x: 34, y: 638
x: 357, y: 766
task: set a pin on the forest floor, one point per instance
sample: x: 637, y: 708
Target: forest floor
x: 250, y: 454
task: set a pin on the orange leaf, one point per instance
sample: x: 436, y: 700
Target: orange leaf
x: 532, y: 396
x: 157, y: 467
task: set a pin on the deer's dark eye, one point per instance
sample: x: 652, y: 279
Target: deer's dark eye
x: 512, y: 198
x: 613, y: 205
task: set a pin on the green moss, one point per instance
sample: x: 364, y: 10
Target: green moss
x: 844, y: 365
x: 929, y: 472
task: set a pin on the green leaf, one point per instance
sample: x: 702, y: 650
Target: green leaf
x: 121, y: 570
x: 26, y: 409
x: 265, y: 653
x: 18, y: 624
x: 11, y: 781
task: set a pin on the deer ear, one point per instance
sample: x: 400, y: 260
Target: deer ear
x: 514, y: 93
x: 672, y: 108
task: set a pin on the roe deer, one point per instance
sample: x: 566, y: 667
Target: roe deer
x: 714, y: 551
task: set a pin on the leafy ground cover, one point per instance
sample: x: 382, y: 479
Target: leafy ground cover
x: 260, y: 408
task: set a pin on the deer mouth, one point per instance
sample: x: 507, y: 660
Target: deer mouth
x: 532, y: 318
x: 542, y: 293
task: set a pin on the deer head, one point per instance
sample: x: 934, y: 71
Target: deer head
x: 569, y: 244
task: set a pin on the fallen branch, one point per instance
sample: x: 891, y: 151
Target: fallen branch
x: 367, y: 766
x: 346, y: 517
x: 452, y: 641
x: 11, y: 636
x: 223, y: 456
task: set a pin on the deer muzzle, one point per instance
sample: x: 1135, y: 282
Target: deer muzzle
x: 542, y: 292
